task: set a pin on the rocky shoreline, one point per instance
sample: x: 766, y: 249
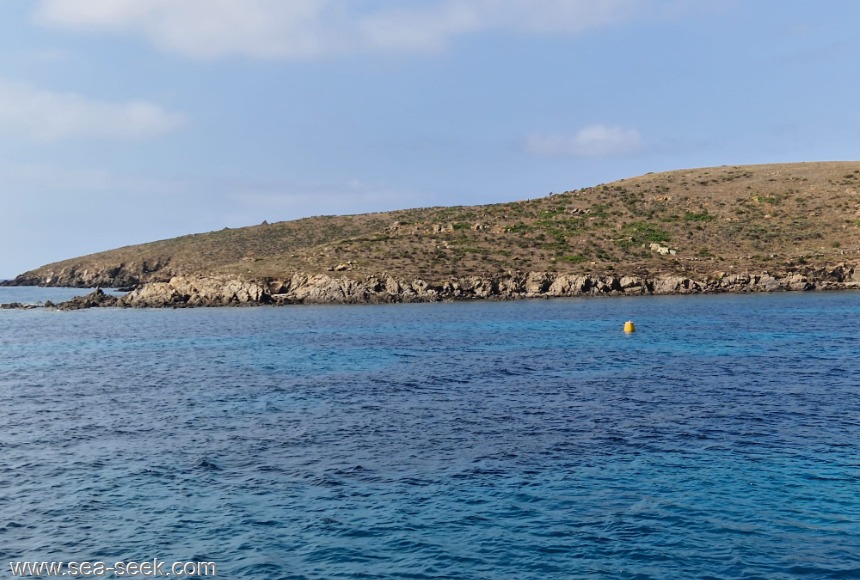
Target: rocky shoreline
x: 209, y: 291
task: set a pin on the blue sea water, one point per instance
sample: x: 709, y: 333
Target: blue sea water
x: 525, y: 439
x: 38, y: 295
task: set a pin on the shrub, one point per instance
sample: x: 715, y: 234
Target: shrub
x: 645, y: 232
x: 698, y: 217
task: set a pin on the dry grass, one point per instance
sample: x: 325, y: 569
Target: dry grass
x: 764, y: 217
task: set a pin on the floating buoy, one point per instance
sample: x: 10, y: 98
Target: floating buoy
x: 629, y: 326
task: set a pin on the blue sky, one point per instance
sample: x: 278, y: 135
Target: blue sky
x: 126, y: 121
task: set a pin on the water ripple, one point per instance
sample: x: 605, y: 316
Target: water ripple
x: 496, y: 440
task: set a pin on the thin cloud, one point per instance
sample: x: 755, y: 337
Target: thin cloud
x: 51, y: 116
x: 294, y: 200
x: 207, y: 29
x: 435, y: 26
x: 592, y: 141
x: 54, y: 181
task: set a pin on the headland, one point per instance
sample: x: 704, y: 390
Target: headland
x: 752, y: 228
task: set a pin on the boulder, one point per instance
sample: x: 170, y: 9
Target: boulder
x: 632, y: 285
x: 767, y: 283
x: 672, y: 285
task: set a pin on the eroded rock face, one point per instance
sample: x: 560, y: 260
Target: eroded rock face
x: 197, y: 291
x: 676, y: 285
x: 190, y: 291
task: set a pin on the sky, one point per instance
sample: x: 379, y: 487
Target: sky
x: 127, y: 121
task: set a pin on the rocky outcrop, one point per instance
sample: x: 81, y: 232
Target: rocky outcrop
x: 17, y: 306
x: 92, y: 300
x: 107, y: 276
x: 191, y: 291
x: 197, y: 291
x: 325, y: 289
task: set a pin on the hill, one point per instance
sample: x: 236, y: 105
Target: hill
x: 779, y: 218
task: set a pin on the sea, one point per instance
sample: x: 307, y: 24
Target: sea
x: 481, y: 440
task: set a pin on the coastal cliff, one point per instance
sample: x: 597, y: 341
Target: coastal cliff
x: 202, y: 291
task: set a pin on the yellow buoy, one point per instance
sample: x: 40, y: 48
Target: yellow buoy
x: 629, y: 326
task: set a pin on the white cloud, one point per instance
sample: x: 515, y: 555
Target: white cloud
x: 594, y: 140
x: 305, y: 28
x: 436, y: 25
x: 50, y: 116
x: 206, y: 28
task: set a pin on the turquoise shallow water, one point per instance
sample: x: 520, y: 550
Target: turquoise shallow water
x: 482, y: 440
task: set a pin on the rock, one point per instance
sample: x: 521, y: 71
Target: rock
x: 673, y: 285
x: 662, y: 250
x: 92, y: 300
x: 155, y: 294
x: 561, y: 286
x: 198, y: 291
x: 798, y: 282
x: 322, y: 289
x: 767, y: 283
x: 734, y: 283
x: 108, y: 275
x: 188, y: 291
x: 537, y: 283
x: 393, y: 287
x: 631, y: 285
